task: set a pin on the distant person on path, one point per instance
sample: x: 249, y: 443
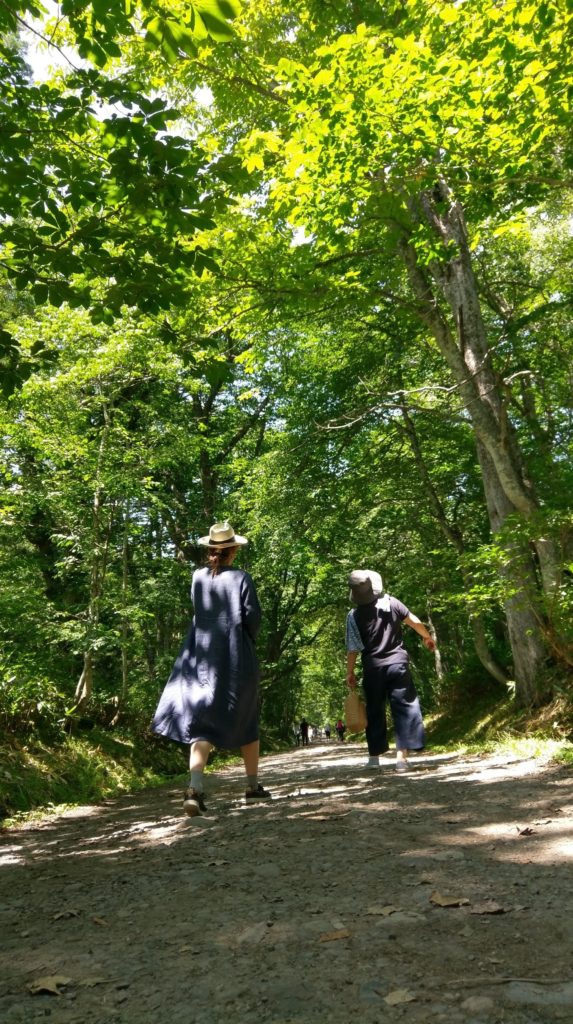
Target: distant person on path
x: 340, y: 730
x: 327, y: 731
x: 373, y: 629
x: 304, y: 727
x: 211, y: 697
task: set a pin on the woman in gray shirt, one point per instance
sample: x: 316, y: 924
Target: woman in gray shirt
x: 374, y: 630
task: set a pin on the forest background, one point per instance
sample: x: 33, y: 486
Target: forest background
x: 305, y: 266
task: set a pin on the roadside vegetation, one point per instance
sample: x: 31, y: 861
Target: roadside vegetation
x: 305, y: 267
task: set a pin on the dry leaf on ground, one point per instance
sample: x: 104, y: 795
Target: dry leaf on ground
x: 489, y: 907
x: 399, y: 995
x: 65, y: 913
x: 342, y: 933
x: 527, y: 831
x: 51, y: 984
x: 382, y: 911
x: 448, y: 901
x: 101, y: 921
x: 254, y: 933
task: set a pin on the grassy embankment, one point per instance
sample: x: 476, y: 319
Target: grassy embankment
x: 38, y: 778
x: 488, y: 724
x: 37, y: 774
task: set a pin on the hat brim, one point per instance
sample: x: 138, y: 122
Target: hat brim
x: 361, y: 599
x: 237, y: 541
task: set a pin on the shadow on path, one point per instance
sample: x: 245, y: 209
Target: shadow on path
x: 324, y: 903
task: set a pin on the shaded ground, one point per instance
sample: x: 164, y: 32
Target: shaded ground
x: 322, y: 905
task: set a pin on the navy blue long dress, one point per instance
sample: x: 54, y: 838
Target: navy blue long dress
x: 212, y: 692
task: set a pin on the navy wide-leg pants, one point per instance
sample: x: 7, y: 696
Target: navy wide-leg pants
x: 393, y: 683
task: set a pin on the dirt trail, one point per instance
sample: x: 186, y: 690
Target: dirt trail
x: 318, y: 906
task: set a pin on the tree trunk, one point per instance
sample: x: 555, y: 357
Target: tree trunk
x: 84, y: 687
x: 507, y: 488
x: 479, y: 384
x: 524, y: 623
x: 483, y: 652
x: 124, y: 619
x: 453, y: 535
x: 437, y: 656
x: 208, y: 486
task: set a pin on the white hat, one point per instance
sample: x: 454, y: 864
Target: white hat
x: 222, y: 535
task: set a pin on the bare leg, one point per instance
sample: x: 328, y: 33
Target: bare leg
x: 193, y: 802
x: 199, y: 755
x: 250, y: 754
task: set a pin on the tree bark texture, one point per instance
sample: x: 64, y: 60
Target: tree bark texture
x: 480, y: 386
x: 524, y: 622
x: 449, y: 304
x: 100, y: 543
x: 437, y: 654
x: 453, y: 535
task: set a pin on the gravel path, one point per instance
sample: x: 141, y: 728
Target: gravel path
x: 443, y: 895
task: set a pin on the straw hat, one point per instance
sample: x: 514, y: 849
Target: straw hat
x: 222, y: 535
x: 365, y: 586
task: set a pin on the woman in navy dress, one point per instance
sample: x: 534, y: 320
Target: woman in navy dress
x: 211, y: 697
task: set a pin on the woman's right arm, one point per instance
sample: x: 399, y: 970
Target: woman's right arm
x: 354, y: 645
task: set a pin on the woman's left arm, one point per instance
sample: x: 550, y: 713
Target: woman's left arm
x: 417, y: 624
x: 250, y: 607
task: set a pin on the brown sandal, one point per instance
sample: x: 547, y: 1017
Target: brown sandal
x: 258, y: 794
x: 193, y: 803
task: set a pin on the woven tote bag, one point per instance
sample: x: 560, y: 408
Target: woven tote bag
x: 355, y: 712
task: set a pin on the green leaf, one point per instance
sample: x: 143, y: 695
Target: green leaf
x: 216, y: 15
x: 449, y: 14
x: 7, y: 344
x: 40, y: 292
x: 170, y: 37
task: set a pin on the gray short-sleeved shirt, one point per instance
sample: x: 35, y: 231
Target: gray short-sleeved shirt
x: 375, y: 630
